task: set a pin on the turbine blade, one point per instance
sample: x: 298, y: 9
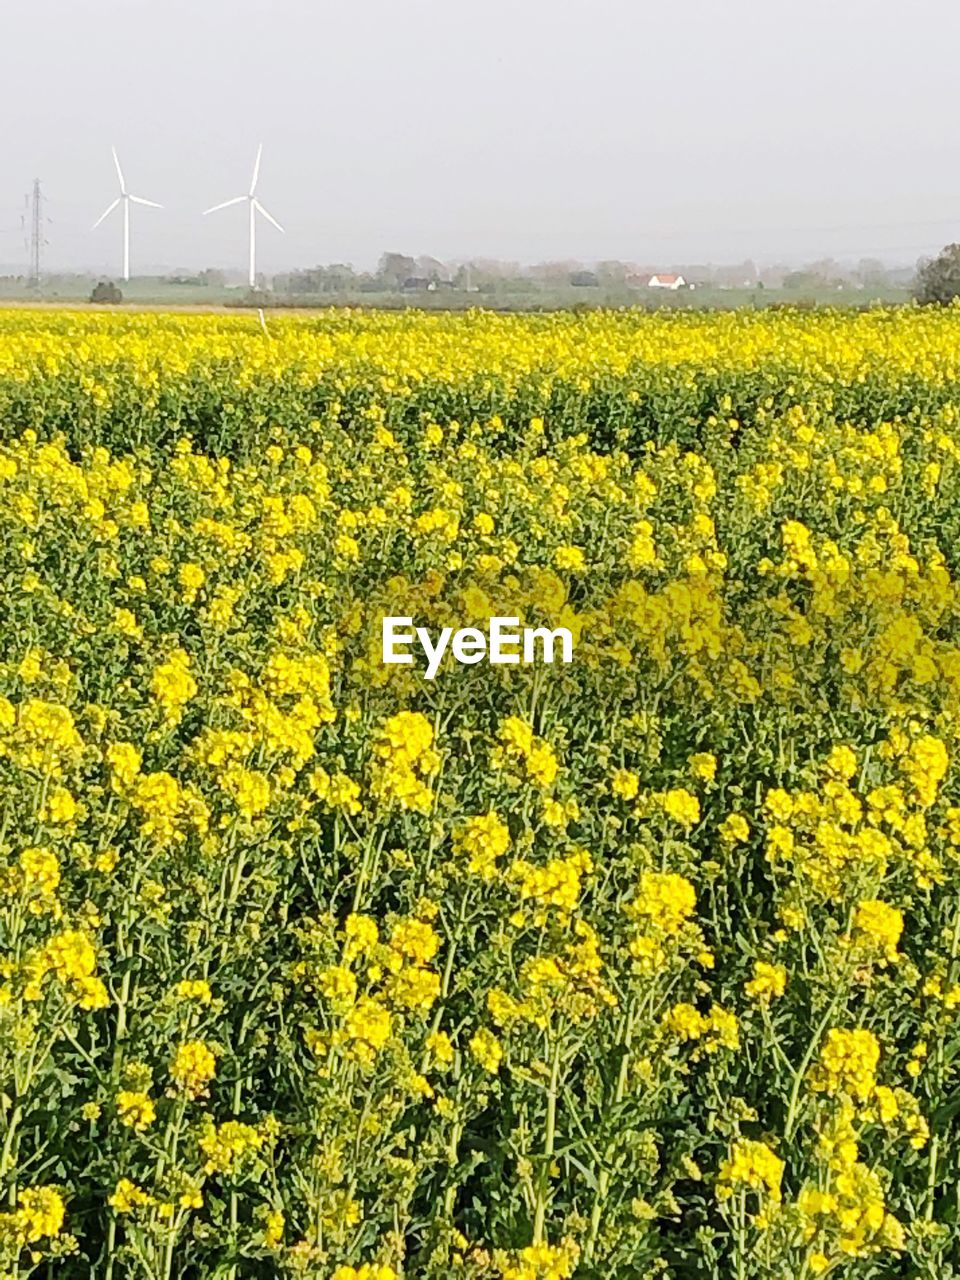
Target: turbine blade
x: 106, y: 213
x: 256, y: 169
x: 269, y: 216
x: 225, y: 204
x: 140, y: 200
x: 116, y: 161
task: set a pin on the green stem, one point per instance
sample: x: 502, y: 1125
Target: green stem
x: 549, y: 1137
x: 12, y: 1128
x: 793, y: 1107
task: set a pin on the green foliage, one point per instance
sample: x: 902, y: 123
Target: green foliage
x: 938, y: 279
x: 106, y: 291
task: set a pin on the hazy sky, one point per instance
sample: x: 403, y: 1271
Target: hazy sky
x: 520, y: 129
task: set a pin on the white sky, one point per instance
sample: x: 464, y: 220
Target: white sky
x: 520, y: 129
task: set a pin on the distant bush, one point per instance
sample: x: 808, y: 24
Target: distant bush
x: 106, y: 291
x: 938, y: 279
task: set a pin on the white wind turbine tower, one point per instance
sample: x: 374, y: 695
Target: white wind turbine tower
x: 254, y: 207
x: 124, y: 198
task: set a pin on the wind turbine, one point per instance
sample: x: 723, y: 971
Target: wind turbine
x: 254, y: 207
x: 124, y: 198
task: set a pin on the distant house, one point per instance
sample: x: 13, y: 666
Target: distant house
x: 423, y: 284
x: 666, y: 280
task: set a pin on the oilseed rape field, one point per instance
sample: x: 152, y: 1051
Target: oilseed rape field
x: 645, y: 965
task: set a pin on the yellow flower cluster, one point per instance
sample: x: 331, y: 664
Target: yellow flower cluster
x: 192, y: 1068
x: 518, y: 743
x: 847, y: 1063
x: 40, y: 1213
x: 225, y: 1145
x: 483, y: 839
x: 752, y: 1165
x: 543, y: 1262
x: 406, y: 759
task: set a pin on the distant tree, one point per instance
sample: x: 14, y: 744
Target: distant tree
x: 827, y: 269
x: 805, y: 278
x: 213, y: 278
x: 799, y: 280
x: 583, y: 279
x: 106, y: 291
x: 774, y: 274
x: 741, y: 275
x: 554, y: 272
x: 612, y: 272
x: 432, y: 268
x: 825, y: 273
x: 872, y: 274
x: 336, y: 278
x: 938, y: 279
x: 486, y: 269
x: 463, y: 277
x: 394, y: 268
x: 340, y: 277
